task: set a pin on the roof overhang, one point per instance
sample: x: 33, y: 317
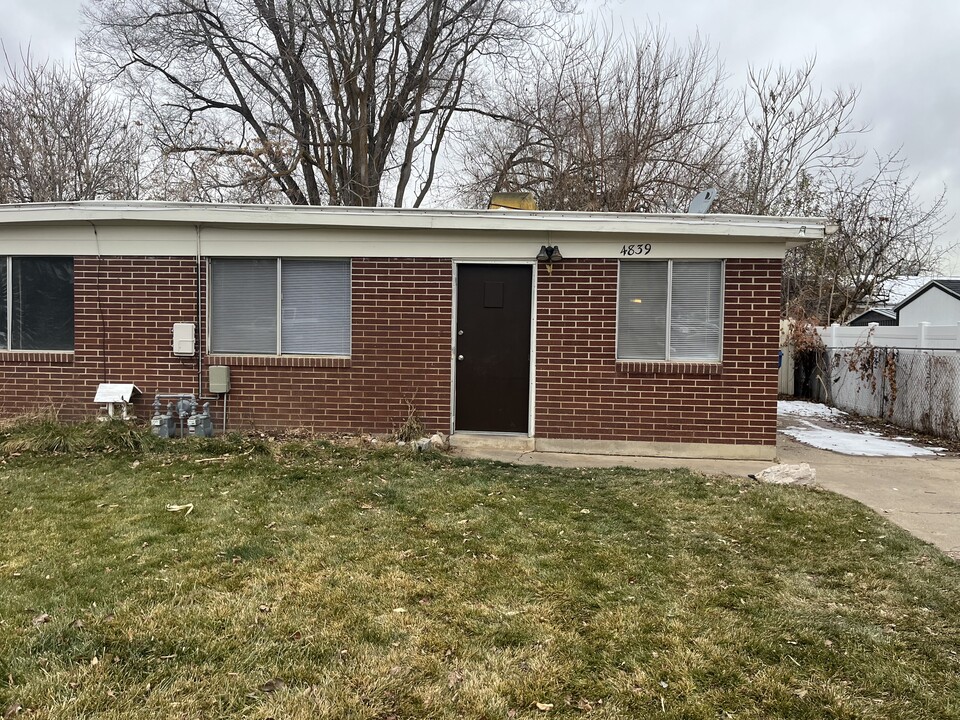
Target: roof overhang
x: 381, y: 230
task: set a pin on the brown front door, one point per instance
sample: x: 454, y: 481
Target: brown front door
x: 493, y: 347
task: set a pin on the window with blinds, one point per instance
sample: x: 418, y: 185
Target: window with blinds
x: 280, y: 306
x: 670, y: 310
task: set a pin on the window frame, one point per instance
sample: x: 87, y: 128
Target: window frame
x: 669, y: 306
x: 278, y: 262
x: 7, y: 292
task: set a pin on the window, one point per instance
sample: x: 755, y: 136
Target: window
x: 313, y: 297
x: 670, y: 310
x: 36, y: 303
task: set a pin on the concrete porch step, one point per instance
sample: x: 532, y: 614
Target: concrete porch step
x: 492, y: 441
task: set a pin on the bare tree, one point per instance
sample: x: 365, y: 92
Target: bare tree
x: 792, y: 135
x: 606, y: 123
x: 61, y: 138
x: 333, y: 101
x: 884, y: 232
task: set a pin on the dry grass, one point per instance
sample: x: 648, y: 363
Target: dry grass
x: 320, y: 581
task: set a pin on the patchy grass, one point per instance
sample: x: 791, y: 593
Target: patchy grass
x: 318, y: 581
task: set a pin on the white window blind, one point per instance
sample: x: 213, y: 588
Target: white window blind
x: 243, y: 306
x: 313, y: 298
x: 643, y: 310
x: 316, y: 307
x: 695, y: 311
x: 670, y: 310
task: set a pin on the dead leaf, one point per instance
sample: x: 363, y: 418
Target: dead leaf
x: 180, y: 508
x: 12, y: 710
x: 399, y: 610
x: 544, y: 707
x: 41, y: 619
x: 264, y: 608
x: 273, y: 685
x: 77, y: 624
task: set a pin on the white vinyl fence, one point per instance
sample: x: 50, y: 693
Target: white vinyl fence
x: 907, y: 375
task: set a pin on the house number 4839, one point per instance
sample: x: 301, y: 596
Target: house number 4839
x: 643, y: 249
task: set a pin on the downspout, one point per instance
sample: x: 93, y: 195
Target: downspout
x: 199, y: 320
x: 103, y: 322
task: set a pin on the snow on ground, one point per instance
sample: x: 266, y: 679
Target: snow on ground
x: 803, y: 408
x: 851, y: 443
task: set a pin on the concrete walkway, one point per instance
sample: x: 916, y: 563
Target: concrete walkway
x: 921, y: 495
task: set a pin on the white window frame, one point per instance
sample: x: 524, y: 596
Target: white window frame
x: 670, y: 262
x: 7, y: 291
x: 279, y: 345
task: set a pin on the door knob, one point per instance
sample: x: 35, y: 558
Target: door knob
x: 459, y: 357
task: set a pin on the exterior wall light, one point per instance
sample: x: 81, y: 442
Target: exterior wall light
x: 549, y: 254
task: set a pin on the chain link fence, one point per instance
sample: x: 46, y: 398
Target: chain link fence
x: 910, y: 388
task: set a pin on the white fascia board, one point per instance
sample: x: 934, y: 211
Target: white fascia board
x: 146, y: 228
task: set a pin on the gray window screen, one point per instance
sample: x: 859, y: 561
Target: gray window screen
x: 313, y: 297
x: 243, y: 306
x: 688, y: 293
x: 40, y: 304
x: 316, y: 307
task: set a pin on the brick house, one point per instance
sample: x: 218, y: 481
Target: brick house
x: 640, y: 334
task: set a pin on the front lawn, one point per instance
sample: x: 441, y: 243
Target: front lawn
x: 319, y: 581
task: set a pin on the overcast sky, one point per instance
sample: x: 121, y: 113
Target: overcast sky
x: 901, y: 54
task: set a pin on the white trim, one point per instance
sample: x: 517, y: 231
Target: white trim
x: 141, y: 229
x: 454, y: 288
x: 532, y: 402
x: 531, y: 383
x: 139, y: 239
x: 799, y: 228
x: 9, y: 300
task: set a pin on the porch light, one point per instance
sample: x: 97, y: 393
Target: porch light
x: 549, y: 254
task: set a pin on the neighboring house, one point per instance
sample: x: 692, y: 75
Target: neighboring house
x: 937, y: 303
x: 642, y: 334
x: 880, y: 316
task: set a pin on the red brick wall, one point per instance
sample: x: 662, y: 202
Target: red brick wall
x: 130, y: 341
x: 401, y: 353
x: 582, y: 392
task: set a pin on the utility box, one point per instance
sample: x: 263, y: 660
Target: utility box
x: 183, y: 339
x: 219, y: 379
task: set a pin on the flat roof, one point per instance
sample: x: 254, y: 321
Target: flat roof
x: 793, y: 230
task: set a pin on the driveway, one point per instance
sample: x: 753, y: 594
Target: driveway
x: 921, y: 493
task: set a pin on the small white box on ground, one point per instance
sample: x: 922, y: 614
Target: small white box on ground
x: 183, y: 339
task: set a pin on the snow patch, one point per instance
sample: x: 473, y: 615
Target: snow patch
x: 804, y: 408
x: 848, y: 443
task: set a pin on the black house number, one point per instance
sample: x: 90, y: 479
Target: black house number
x: 628, y: 250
